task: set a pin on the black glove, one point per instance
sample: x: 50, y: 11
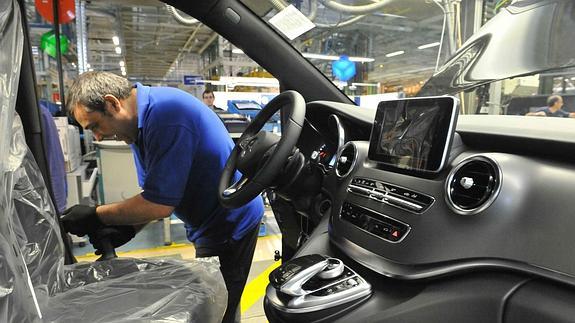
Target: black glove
x: 81, y: 220
x: 117, y: 234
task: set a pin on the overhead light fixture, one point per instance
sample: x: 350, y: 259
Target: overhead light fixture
x: 232, y: 81
x: 122, y: 64
x: 237, y: 51
x: 401, y: 52
x: 320, y: 56
x: 362, y: 59
x: 366, y: 84
x: 428, y: 45
x: 335, y: 58
x: 118, y: 50
x: 116, y: 40
x: 88, y: 65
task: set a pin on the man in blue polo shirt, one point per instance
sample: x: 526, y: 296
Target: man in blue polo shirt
x: 553, y: 109
x: 180, y: 148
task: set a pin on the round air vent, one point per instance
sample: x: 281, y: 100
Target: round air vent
x: 473, y: 185
x: 346, y: 160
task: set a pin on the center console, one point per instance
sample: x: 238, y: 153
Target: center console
x: 312, y: 286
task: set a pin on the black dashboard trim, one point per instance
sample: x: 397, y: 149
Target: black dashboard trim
x: 400, y: 271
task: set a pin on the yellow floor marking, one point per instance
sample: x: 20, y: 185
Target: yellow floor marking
x: 256, y: 288
x: 138, y: 252
x: 271, y: 236
x: 132, y: 253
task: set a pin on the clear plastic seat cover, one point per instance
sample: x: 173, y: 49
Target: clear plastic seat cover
x: 35, y: 285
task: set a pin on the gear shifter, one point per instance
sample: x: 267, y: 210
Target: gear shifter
x: 314, y: 282
x: 333, y: 269
x: 290, y: 277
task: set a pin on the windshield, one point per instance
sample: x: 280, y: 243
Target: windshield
x: 370, y: 50
x: 378, y: 50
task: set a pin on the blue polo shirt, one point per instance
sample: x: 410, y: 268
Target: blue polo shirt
x: 180, y: 153
x: 559, y: 113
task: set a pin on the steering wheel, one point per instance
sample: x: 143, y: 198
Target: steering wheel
x: 259, y: 155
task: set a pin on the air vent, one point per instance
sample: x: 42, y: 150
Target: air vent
x: 346, y: 160
x: 473, y: 185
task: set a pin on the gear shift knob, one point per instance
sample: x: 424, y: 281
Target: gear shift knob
x: 333, y: 269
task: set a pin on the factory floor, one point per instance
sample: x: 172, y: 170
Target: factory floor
x: 150, y: 243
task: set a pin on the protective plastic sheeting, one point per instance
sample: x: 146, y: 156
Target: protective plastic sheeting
x: 35, y: 285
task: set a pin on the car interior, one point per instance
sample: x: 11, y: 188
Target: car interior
x: 408, y: 212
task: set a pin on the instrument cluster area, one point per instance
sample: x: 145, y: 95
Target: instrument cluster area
x: 320, y: 146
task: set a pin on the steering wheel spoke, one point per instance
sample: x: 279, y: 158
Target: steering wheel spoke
x: 236, y: 186
x: 260, y: 155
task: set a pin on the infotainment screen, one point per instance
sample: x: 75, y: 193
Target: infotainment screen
x: 414, y: 134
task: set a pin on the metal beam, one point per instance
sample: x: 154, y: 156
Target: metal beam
x: 208, y: 42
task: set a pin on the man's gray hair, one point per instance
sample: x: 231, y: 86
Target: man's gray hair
x: 90, y: 88
x: 553, y: 99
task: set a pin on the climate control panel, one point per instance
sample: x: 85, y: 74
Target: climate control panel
x: 375, y: 223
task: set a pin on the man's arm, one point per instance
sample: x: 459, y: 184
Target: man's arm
x: 537, y: 114
x: 135, y: 211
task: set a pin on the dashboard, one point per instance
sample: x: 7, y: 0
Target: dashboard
x: 500, y: 201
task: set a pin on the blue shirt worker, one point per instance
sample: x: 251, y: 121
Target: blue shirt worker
x: 553, y: 109
x: 180, y: 147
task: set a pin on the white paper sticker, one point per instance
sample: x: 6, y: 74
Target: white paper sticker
x: 291, y: 22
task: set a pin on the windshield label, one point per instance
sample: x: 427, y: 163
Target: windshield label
x: 291, y: 22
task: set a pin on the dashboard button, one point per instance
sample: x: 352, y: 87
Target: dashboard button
x: 375, y: 223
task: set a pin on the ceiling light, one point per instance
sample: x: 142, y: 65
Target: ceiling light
x: 366, y: 84
x: 122, y: 63
x: 123, y: 73
x: 90, y: 70
x: 123, y: 69
x: 335, y: 58
x: 237, y: 51
x: 320, y: 56
x: 118, y: 50
x: 233, y: 81
x: 401, y: 52
x: 116, y: 40
x: 362, y: 59
x: 428, y: 45
x: 88, y: 66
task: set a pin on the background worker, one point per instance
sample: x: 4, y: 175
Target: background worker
x: 553, y: 109
x: 208, y: 97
